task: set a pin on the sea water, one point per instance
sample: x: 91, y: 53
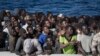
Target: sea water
x: 67, y: 7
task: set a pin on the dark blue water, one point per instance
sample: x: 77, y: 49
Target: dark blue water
x: 67, y: 7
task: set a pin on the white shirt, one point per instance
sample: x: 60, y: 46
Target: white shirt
x: 85, y: 41
x: 36, y: 44
x: 27, y: 45
x: 79, y: 37
x: 6, y: 30
x: 25, y: 26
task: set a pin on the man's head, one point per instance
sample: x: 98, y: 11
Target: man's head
x: 23, y: 32
x: 85, y: 29
x: 33, y: 17
x: 49, y: 14
x: 17, y: 29
x: 81, y: 20
x: 45, y: 30
x: 79, y: 30
x: 13, y: 18
x: 38, y: 28
x: 48, y: 47
x: 47, y: 23
x: 98, y: 28
x: 64, y: 23
x: 30, y: 30
x: 15, y: 23
x: 70, y: 30
x: 28, y: 19
x: 49, y: 41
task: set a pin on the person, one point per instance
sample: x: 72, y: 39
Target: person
x: 28, y: 22
x: 12, y: 29
x: 67, y: 40
x: 19, y: 43
x: 64, y: 23
x: 30, y: 31
x: 85, y: 39
x: 27, y: 46
x: 53, y: 23
x: 8, y: 31
x: 13, y: 38
x: 38, y: 29
x: 3, y: 41
x: 96, y: 43
x: 47, y: 23
x: 32, y: 46
x: 21, y: 14
x: 44, y: 35
x: 37, y: 49
x: 27, y: 43
x: 33, y: 18
x: 48, y: 46
x: 49, y: 15
x: 80, y: 50
x: 33, y: 37
x: 57, y: 44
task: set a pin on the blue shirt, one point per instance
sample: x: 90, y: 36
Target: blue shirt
x: 42, y: 38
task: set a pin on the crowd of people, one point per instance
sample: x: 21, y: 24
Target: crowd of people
x: 38, y: 33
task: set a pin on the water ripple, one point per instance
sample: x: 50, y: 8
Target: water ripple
x: 67, y: 7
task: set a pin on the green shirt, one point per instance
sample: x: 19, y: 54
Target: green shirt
x: 70, y: 48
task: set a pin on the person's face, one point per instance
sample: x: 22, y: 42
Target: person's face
x: 85, y: 30
x: 69, y: 31
x: 29, y: 22
x: 24, y: 34
x: 12, y: 19
x: 47, y: 23
x: 30, y: 30
x: 62, y: 32
x: 58, y: 26
x: 52, y: 20
x: 17, y: 29
x: 64, y: 23
x: 50, y: 15
x: 78, y: 31
x: 49, y: 41
x: 15, y: 23
x: 81, y: 20
x: 38, y: 28
x: 8, y: 13
x: 23, y: 12
x: 46, y: 30
x: 33, y: 16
